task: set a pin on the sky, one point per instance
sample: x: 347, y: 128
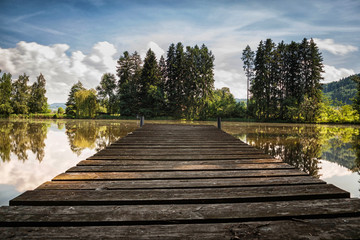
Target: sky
x: 80, y: 40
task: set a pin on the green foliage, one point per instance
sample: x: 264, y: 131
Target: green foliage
x: 38, y: 100
x: 71, y: 104
x: 21, y: 95
x: 86, y: 103
x: 286, y: 85
x: 248, y: 59
x: 60, y: 110
x: 129, y: 72
x: 5, y: 94
x: 356, y: 100
x: 331, y: 114
x: 107, y: 92
x: 150, y: 96
x: 180, y: 86
x: 341, y: 92
x: 223, y: 105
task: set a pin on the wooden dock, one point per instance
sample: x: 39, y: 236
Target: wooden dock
x: 182, y: 182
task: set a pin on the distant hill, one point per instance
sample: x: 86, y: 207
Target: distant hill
x: 340, y: 91
x: 240, y: 100
x: 55, y: 106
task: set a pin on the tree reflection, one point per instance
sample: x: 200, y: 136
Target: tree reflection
x: 18, y: 137
x: 95, y: 134
x: 298, y: 145
x: 356, y: 148
x: 5, y: 140
x: 304, y: 145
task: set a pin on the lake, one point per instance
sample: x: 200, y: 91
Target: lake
x: 35, y: 151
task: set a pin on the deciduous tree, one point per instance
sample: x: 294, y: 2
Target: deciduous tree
x: 5, y: 94
x: 71, y: 103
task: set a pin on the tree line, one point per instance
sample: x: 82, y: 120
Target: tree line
x: 19, y: 98
x: 284, y: 80
x: 180, y: 86
x: 283, y: 84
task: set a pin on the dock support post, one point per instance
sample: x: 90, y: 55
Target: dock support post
x: 142, y: 121
x: 219, y: 122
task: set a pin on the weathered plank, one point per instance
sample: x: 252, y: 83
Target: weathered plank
x: 179, y: 196
x: 170, y: 152
x: 178, y: 167
x: 181, y: 157
x: 224, y: 147
x: 182, y: 183
x: 180, y: 213
x: 333, y: 228
x: 145, y: 163
x: 180, y: 144
x: 177, y: 174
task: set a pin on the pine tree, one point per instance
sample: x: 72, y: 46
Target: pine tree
x: 205, y: 83
x: 313, y: 88
x: 129, y: 72
x: 163, y: 77
x: 279, y: 70
x: 170, y: 90
x: 71, y: 103
x: 293, y: 86
x: 5, y: 94
x: 178, y: 99
x: 287, y: 81
x: 248, y: 60
x: 38, y: 100
x: 21, y: 95
x: 150, y: 95
x: 107, y: 92
x: 270, y: 79
x: 258, y: 87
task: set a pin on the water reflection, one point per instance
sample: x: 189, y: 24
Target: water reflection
x: 18, y: 137
x: 35, y: 151
x: 303, y: 145
x: 24, y: 136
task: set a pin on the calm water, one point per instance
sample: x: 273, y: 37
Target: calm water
x: 35, y: 151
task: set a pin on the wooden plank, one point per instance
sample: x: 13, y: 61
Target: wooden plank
x: 177, y: 162
x: 167, y: 152
x: 333, y: 228
x: 178, y: 196
x: 224, y: 147
x: 181, y: 144
x: 181, y: 157
x: 180, y: 213
x: 178, y: 167
x: 174, y: 141
x: 177, y: 175
x: 183, y: 183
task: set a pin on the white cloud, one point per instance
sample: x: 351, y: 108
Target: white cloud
x: 334, y: 48
x: 155, y: 48
x: 335, y: 74
x: 60, y: 70
x: 233, y: 79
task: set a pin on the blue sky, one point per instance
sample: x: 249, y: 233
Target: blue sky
x: 81, y: 39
